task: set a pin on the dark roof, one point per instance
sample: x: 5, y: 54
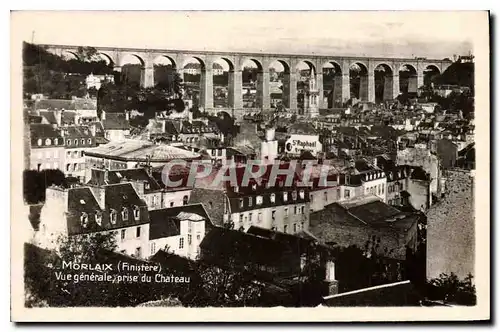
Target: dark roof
x: 49, y: 116
x: 373, y: 211
x: 166, y: 222
x: 115, y: 121
x: 243, y: 247
x: 54, y: 104
x: 43, y: 131
x: 117, y: 197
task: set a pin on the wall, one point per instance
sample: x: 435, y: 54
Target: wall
x: 131, y: 242
x: 52, y: 218
x: 49, y: 158
x: 452, y: 218
x: 422, y: 157
x: 324, y: 196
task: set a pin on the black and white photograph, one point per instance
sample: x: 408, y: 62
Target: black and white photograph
x: 268, y: 160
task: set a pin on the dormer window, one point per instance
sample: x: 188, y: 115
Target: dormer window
x: 98, y: 218
x: 84, y: 219
x: 254, y: 186
x: 56, y: 141
x: 112, y: 217
x: 89, y: 141
x: 294, y: 195
x: 241, y: 202
x: 146, y: 185
x: 301, y: 194
x: 39, y: 142
x: 124, y: 214
x: 285, y: 196
x: 273, y: 198
x: 75, y: 142
x: 68, y: 142
x: 250, y: 200
x: 235, y: 189
x: 258, y: 200
x: 137, y: 213
x: 47, y: 141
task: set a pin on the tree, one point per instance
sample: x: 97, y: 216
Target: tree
x: 450, y: 289
x: 85, y: 247
x: 218, y: 287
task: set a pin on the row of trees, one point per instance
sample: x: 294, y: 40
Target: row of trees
x: 35, y: 183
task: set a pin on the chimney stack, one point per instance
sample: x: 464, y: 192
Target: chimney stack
x: 331, y: 284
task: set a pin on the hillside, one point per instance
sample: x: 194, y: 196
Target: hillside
x: 461, y: 74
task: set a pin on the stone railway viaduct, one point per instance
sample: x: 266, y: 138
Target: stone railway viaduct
x: 236, y: 60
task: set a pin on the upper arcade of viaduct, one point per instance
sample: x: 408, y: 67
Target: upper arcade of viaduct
x: 236, y: 61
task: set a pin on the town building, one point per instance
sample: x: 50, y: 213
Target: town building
x: 367, y: 219
x: 179, y: 230
x: 116, y: 126
x: 46, y: 147
x: 83, y: 209
x: 77, y: 140
x: 132, y: 153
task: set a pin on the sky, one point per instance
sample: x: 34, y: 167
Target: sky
x: 379, y: 34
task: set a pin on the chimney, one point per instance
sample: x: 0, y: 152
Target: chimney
x: 331, y: 284
x: 103, y: 115
x: 375, y: 161
x: 92, y: 129
x: 127, y: 115
x: 58, y: 116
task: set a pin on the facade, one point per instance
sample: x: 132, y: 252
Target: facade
x: 77, y: 140
x: 46, y: 148
x: 116, y: 126
x: 179, y: 230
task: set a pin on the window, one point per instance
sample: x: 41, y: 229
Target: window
x: 347, y: 193
x: 89, y: 141
x: 285, y: 228
x: 75, y: 142
x: 47, y: 141
x: 325, y: 195
x: 68, y: 167
x: 155, y: 200
x: 84, y: 219
x: 98, y: 218
x: 123, y: 234
x: 259, y: 217
x: 153, y: 248
x: 125, y: 214
x: 302, y: 209
x: 301, y: 194
x: 285, y: 196
x: 68, y: 142
x: 181, y: 243
x: 273, y: 198
x: 138, y: 232
x: 137, y: 212
x: 302, y: 225
x: 171, y: 204
x: 294, y: 228
x: 213, y: 152
x: 56, y: 141
x: 241, y: 217
x: 286, y: 212
x: 249, y: 201
x: 185, y: 200
x: 273, y: 214
x: 75, y: 167
x: 189, y: 239
x: 198, y: 237
x: 258, y: 200
x: 294, y: 195
x: 294, y: 210
x: 138, y: 252
x: 112, y: 217
x: 250, y: 216
x: 382, y: 189
x: 210, y: 205
x: 39, y: 142
x: 241, y: 202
